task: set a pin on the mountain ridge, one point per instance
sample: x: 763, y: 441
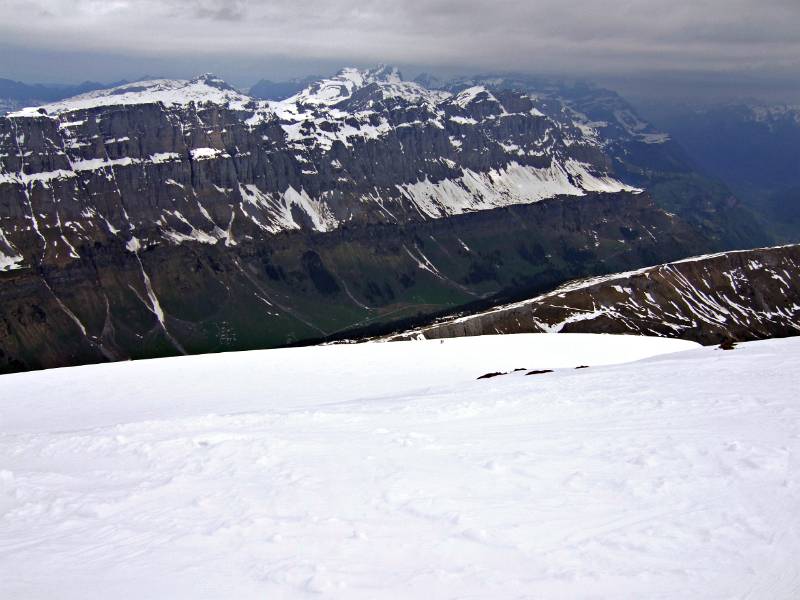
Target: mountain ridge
x: 183, y: 216
x: 740, y: 295
x: 318, y: 138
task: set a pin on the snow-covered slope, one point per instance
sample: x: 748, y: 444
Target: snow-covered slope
x: 206, y: 88
x: 389, y: 471
x: 347, y: 82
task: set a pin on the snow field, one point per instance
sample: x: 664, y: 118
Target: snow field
x: 389, y: 471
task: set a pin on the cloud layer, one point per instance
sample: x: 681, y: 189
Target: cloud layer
x: 579, y: 37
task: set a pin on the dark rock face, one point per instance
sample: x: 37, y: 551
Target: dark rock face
x: 727, y: 297
x: 491, y: 375
x: 167, y: 217
x: 113, y: 304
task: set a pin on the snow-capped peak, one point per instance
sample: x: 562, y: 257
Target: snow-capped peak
x: 330, y: 90
x: 384, y: 73
x: 206, y: 88
x: 211, y: 80
x: 472, y: 94
x: 345, y: 83
x: 350, y: 105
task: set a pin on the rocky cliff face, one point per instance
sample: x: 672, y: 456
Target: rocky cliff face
x: 182, y: 216
x: 744, y: 295
x: 647, y: 157
x: 168, y: 162
x: 113, y: 304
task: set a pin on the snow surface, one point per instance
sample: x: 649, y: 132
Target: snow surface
x: 508, y: 185
x: 389, y: 471
x: 340, y: 87
x: 170, y: 92
x: 9, y: 261
x: 469, y: 95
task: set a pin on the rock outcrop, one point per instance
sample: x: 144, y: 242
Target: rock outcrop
x: 740, y: 296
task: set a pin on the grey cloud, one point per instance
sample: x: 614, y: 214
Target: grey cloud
x: 579, y: 37
x: 234, y: 10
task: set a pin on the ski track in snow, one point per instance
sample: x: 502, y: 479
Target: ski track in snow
x: 389, y: 471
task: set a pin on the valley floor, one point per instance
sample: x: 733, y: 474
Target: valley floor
x: 389, y: 471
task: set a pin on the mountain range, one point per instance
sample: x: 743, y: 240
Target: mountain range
x: 181, y: 216
x: 752, y: 147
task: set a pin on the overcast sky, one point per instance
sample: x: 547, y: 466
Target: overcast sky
x: 744, y: 46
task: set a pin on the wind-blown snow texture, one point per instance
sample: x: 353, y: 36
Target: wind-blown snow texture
x: 389, y: 471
